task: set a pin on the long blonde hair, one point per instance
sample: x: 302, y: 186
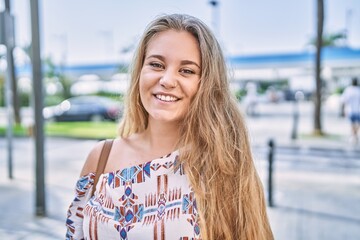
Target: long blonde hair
x: 219, y: 163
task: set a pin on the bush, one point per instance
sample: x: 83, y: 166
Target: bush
x: 24, y: 99
x: 240, y: 94
x: 116, y: 97
x: 51, y: 100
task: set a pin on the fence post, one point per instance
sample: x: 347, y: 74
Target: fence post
x: 299, y: 95
x: 294, y: 131
x: 271, y: 145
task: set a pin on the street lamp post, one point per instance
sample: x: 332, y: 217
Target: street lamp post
x: 215, y: 16
x: 7, y: 37
x: 38, y: 108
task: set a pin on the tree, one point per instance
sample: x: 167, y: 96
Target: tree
x: 53, y: 72
x: 10, y: 45
x: 335, y: 39
x: 318, y: 81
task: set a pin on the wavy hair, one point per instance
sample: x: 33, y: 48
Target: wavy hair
x: 217, y: 156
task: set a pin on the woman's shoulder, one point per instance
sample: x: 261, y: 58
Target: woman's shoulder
x: 121, y: 149
x: 93, y: 156
x: 92, y: 159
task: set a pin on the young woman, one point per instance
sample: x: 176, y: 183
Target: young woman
x: 182, y: 167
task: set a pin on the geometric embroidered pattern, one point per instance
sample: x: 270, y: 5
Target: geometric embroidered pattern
x: 153, y: 200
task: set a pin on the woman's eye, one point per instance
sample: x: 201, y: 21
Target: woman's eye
x: 187, y: 71
x: 156, y: 65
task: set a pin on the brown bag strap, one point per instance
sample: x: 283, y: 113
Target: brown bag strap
x: 102, y: 162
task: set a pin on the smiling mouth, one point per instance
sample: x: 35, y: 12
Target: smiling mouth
x: 166, y: 98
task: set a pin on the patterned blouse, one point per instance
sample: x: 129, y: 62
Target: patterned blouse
x: 152, y: 200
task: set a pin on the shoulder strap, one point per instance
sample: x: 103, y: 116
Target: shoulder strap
x: 102, y: 162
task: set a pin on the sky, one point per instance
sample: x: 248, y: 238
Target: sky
x: 94, y: 31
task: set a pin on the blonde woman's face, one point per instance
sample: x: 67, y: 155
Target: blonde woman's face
x: 169, y: 78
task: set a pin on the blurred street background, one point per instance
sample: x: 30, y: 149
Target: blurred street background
x: 316, y: 180
x: 63, y: 78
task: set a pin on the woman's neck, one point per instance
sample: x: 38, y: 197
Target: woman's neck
x: 160, y: 138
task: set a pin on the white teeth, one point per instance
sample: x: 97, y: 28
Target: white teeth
x: 166, y: 98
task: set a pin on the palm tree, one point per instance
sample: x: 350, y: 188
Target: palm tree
x: 319, y: 45
x: 335, y: 39
x: 53, y: 72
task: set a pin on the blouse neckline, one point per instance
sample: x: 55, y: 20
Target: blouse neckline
x: 158, y: 159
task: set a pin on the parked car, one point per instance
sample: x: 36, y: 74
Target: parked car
x: 84, y: 108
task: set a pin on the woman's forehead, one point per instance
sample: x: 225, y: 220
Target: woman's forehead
x: 171, y: 43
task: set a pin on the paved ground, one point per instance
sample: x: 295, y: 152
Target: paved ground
x: 316, y: 180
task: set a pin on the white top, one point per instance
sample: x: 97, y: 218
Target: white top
x: 152, y: 200
x: 351, y: 99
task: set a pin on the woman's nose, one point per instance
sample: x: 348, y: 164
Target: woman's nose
x: 168, y: 79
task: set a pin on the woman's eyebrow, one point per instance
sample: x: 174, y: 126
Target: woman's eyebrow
x: 183, y: 62
x: 156, y: 56
x: 188, y: 62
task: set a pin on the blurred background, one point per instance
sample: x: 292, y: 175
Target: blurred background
x: 289, y: 62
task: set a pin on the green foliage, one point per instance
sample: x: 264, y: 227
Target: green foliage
x: 50, y: 68
x: 330, y: 39
x: 86, y: 130
x: 24, y: 99
x: 23, y: 96
x: 18, y: 131
x: 263, y: 86
x: 278, y: 85
x: 339, y: 90
x: 240, y: 94
x: 52, y: 72
x: 334, y: 39
x: 116, y: 97
x: 51, y: 100
x: 66, y: 84
x: 123, y: 68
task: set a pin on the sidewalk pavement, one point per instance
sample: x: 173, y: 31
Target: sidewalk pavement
x: 312, y: 200
x: 276, y: 121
